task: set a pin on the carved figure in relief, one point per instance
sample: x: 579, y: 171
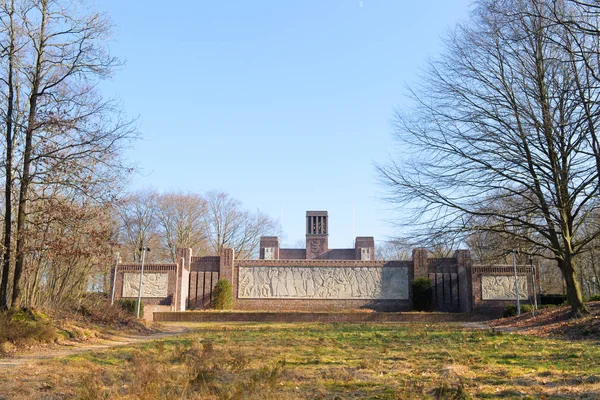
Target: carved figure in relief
x: 299, y: 286
x: 326, y: 282
x: 375, y: 279
x: 153, y: 284
x: 319, y: 283
x: 502, y: 287
x: 283, y: 282
x: 273, y: 282
x: 331, y: 287
x: 317, y: 247
x: 307, y: 279
x: 246, y: 284
x: 262, y: 288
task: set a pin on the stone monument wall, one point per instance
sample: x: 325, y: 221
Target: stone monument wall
x: 322, y: 285
x: 494, y: 287
x: 159, y: 284
x: 326, y: 285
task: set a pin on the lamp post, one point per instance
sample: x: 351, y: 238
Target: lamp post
x: 514, y: 260
x: 143, y: 250
x: 112, y: 296
x: 534, y: 274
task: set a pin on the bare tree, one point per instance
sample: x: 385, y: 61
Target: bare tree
x: 69, y: 245
x: 8, y: 49
x: 498, y: 120
x: 182, y: 222
x: 229, y: 225
x: 139, y: 224
x: 58, y: 130
x: 393, y: 250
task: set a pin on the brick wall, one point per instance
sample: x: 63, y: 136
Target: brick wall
x: 496, y: 307
x: 204, y: 274
x: 292, y: 254
x: 457, y: 282
x: 170, y: 269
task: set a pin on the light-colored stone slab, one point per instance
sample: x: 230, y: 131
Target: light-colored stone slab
x: 365, y: 253
x: 153, y: 284
x: 502, y: 287
x: 323, y: 283
x: 269, y: 253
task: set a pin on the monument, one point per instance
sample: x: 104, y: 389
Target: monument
x: 317, y: 278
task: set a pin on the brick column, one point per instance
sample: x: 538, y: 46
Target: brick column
x: 269, y: 242
x: 421, y: 269
x: 364, y: 242
x: 226, y: 264
x: 465, y: 289
x: 186, y: 254
x: 184, y: 261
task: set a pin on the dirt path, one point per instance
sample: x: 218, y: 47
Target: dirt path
x: 64, y: 350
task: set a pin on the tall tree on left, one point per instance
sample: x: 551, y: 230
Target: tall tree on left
x: 8, y: 47
x: 59, y: 132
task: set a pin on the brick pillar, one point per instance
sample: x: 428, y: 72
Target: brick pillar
x: 184, y: 261
x: 226, y: 264
x: 465, y: 289
x: 186, y: 254
x: 270, y: 242
x: 421, y: 269
x: 364, y: 242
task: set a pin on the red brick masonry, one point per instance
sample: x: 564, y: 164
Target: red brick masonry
x: 323, y: 317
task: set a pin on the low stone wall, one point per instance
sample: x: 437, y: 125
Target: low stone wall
x: 324, y: 317
x: 151, y: 309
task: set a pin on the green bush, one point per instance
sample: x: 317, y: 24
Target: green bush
x: 511, y: 311
x: 422, y: 289
x: 130, y: 305
x: 223, y: 295
x: 595, y: 297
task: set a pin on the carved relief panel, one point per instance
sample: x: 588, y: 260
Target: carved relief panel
x: 153, y: 284
x: 503, y: 287
x: 323, y: 283
x: 269, y: 253
x: 365, y: 253
x: 317, y: 247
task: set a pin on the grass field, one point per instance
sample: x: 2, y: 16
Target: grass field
x: 321, y: 361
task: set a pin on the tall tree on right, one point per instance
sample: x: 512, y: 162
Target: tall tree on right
x: 501, y: 118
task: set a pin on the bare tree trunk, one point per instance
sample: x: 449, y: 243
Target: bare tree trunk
x: 7, y: 240
x: 27, y: 154
x: 573, y: 290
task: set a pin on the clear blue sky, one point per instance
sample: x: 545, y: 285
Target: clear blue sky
x: 284, y: 104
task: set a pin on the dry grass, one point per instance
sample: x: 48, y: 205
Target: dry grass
x: 24, y: 328
x: 322, y: 361
x: 85, y: 320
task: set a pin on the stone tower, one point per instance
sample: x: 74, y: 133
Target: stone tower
x: 317, y: 233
